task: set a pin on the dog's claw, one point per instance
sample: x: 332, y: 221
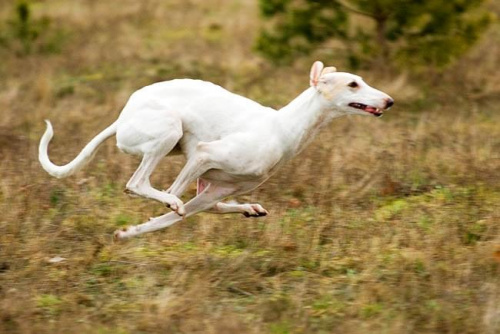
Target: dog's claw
x: 255, y: 215
x: 176, y: 205
x: 255, y: 210
x: 181, y: 211
x: 177, y: 208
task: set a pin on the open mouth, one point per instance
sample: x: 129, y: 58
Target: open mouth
x: 372, y: 110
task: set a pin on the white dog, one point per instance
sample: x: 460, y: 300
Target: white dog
x: 232, y: 144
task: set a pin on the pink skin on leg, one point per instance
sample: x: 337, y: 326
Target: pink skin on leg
x: 201, y: 185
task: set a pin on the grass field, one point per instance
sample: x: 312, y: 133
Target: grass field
x: 385, y: 225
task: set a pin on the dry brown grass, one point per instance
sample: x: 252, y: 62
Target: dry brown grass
x: 382, y: 226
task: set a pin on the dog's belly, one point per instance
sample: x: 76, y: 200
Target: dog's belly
x: 222, y: 178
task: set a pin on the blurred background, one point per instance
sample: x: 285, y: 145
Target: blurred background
x: 381, y: 226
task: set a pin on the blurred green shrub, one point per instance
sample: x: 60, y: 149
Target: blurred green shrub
x: 397, y: 32
x: 25, y: 35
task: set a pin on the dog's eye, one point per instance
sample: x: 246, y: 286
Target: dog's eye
x: 353, y: 84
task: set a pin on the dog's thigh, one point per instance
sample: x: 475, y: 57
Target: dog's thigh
x: 151, y: 131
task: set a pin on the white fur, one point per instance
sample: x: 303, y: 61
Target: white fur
x: 232, y: 144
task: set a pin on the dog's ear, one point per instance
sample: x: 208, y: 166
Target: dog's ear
x: 329, y: 69
x: 316, y: 69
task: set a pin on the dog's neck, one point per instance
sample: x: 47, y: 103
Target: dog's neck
x: 301, y: 120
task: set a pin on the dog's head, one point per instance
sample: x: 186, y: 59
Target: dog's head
x: 348, y: 93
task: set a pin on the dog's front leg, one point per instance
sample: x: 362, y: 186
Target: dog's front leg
x: 196, y: 166
x: 247, y: 209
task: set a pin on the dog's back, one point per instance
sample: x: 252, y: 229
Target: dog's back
x: 206, y: 111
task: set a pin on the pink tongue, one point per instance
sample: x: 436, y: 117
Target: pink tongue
x: 370, y: 109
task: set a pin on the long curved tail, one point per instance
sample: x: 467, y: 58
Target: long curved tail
x: 81, y: 160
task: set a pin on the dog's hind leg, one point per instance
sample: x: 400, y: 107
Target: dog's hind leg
x: 153, y: 151
x: 139, y: 184
x: 211, y: 195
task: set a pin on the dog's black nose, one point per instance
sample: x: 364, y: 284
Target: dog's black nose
x: 389, y: 103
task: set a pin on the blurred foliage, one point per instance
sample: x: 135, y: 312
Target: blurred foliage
x: 299, y: 28
x: 25, y: 34
x: 409, y: 33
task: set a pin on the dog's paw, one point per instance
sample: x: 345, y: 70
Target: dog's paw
x: 130, y: 193
x: 255, y: 210
x: 176, y: 205
x: 120, y: 234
